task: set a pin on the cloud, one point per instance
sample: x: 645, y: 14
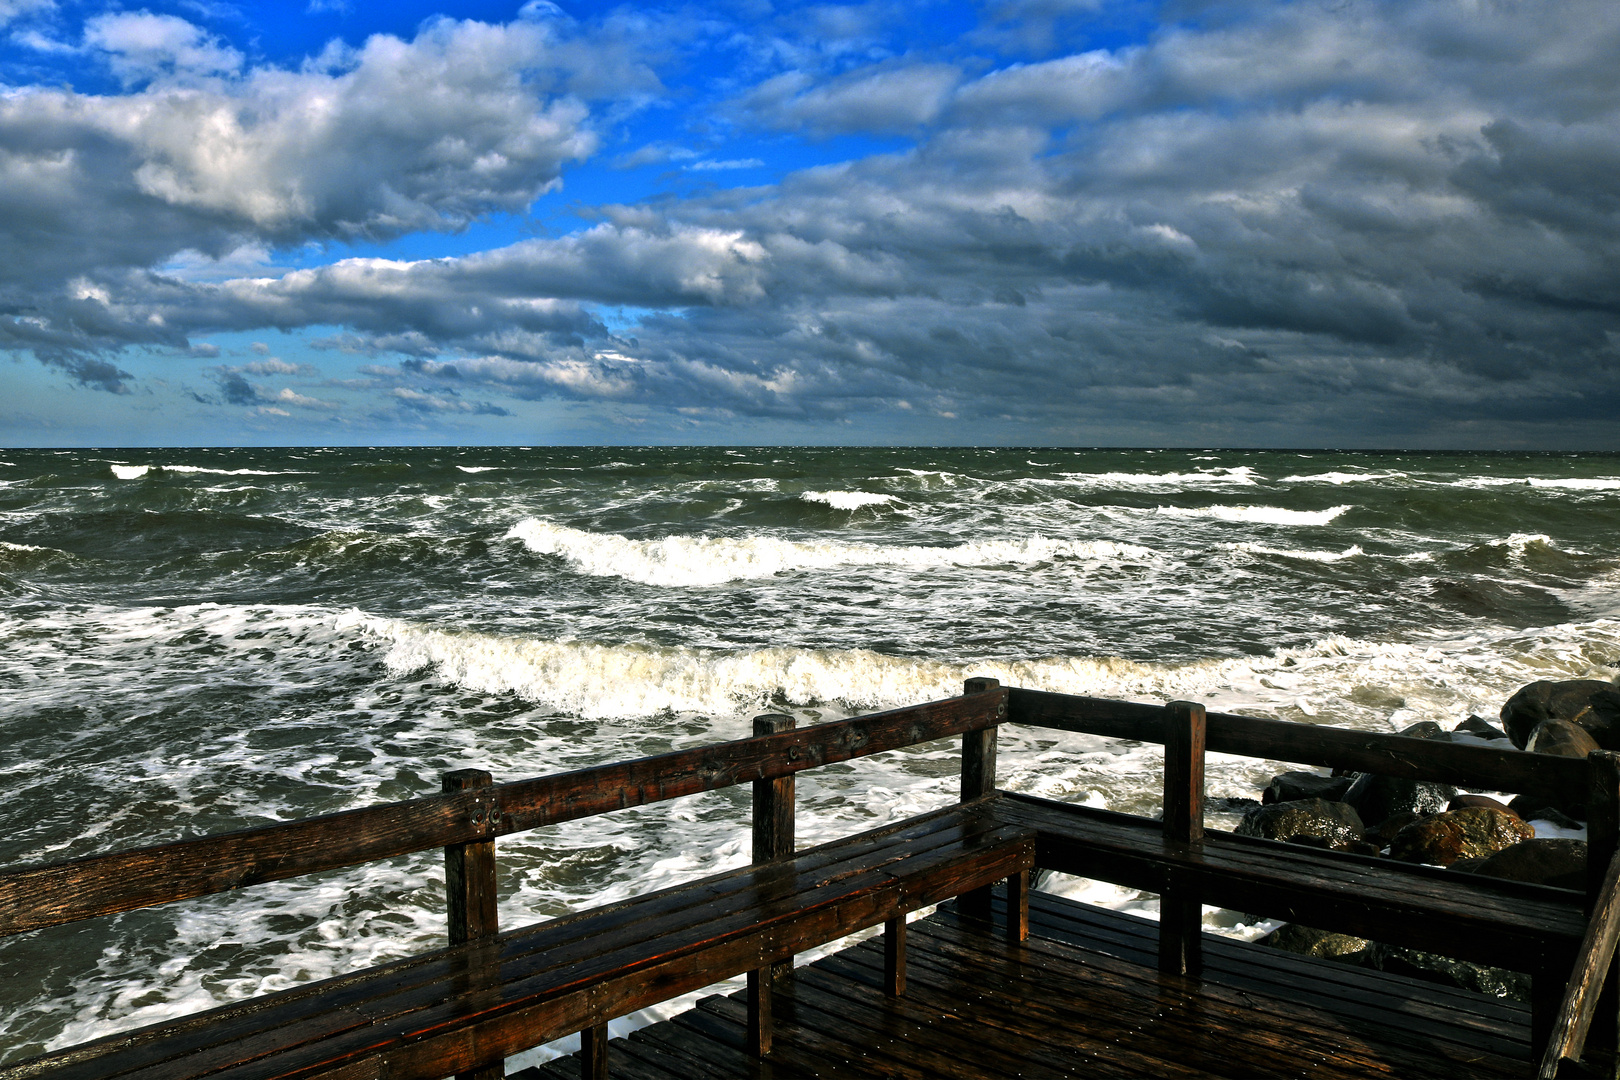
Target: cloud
x: 1289, y: 220
x: 141, y: 46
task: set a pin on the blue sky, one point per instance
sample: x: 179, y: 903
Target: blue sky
x: 1084, y: 222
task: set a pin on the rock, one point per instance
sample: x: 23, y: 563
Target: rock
x: 1378, y: 798
x: 1591, y: 703
x: 1562, y: 738
x: 1561, y: 863
x: 1538, y: 808
x: 1463, y: 802
x: 1335, y: 823
x: 1293, y: 786
x: 1458, y: 834
x: 1230, y: 804
x: 1309, y: 941
x: 1424, y: 729
x: 1390, y: 826
x: 1479, y: 728
x: 1511, y: 985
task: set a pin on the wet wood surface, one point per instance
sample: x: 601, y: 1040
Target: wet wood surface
x: 1083, y: 998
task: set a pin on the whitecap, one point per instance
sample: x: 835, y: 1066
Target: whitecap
x: 130, y: 472
x: 477, y: 468
x: 847, y: 500
x: 1342, y: 477
x: 1350, y: 552
x: 1256, y: 515
x: 1241, y: 475
x: 677, y: 561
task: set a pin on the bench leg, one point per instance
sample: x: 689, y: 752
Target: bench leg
x: 1018, y: 906
x: 1181, y: 922
x: 975, y: 904
x: 593, y: 1053
x: 485, y: 1072
x: 759, y: 1012
x: 894, y: 957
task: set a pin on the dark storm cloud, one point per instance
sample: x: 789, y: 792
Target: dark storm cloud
x: 1332, y: 220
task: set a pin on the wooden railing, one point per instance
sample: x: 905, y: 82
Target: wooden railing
x: 472, y: 812
x: 1188, y: 732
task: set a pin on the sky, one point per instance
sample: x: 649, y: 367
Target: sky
x: 1019, y: 222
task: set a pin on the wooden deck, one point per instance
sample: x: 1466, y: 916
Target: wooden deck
x: 1083, y: 997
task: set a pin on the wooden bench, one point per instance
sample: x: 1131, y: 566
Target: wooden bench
x: 490, y: 995
x: 456, y: 1009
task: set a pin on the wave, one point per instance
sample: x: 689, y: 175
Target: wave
x: 1351, y: 552
x: 1240, y: 474
x: 1570, y: 484
x: 1438, y: 677
x: 477, y: 468
x: 1256, y: 515
x: 847, y: 500
x: 135, y: 472
x: 1342, y: 478
x: 678, y: 561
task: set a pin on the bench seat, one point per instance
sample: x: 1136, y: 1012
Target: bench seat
x: 458, y: 1009
x: 1522, y: 927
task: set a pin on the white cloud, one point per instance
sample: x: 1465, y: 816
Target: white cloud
x: 142, y: 46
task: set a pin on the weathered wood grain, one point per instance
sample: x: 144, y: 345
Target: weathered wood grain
x: 1592, y: 965
x: 1480, y: 767
x: 105, y: 884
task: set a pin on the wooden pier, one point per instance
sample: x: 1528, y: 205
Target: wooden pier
x: 1000, y: 982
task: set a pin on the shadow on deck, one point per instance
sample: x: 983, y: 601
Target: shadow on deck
x: 1083, y: 997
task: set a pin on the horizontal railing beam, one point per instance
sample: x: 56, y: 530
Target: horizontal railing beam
x: 34, y: 898
x: 1311, y: 744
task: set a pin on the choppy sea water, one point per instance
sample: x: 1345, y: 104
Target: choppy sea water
x: 193, y: 641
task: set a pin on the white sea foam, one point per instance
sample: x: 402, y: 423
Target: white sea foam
x: 677, y: 561
x: 1350, y: 552
x: 135, y: 472
x: 1570, y: 484
x: 1432, y: 679
x: 477, y: 468
x: 1342, y: 477
x: 847, y: 500
x: 1255, y: 515
x: 1241, y: 475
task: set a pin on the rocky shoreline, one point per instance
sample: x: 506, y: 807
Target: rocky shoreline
x: 1421, y: 822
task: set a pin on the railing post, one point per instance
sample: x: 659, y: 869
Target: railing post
x: 469, y: 885
x: 978, y: 780
x: 1181, y: 911
x: 593, y: 1053
x: 773, y: 839
x: 1602, y: 840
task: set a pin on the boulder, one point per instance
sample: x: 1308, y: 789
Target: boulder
x: 1293, y: 786
x: 1378, y: 798
x: 1335, y: 823
x: 1439, y: 969
x: 1386, y: 830
x: 1424, y: 729
x: 1309, y: 941
x: 1561, y: 863
x: 1539, y: 808
x: 1591, y: 703
x: 1463, y: 802
x: 1479, y: 728
x: 1561, y: 737
x: 1458, y: 834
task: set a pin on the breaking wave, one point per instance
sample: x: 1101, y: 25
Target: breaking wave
x: 683, y: 561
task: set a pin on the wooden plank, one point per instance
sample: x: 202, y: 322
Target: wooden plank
x: 469, y: 886
x: 593, y: 1052
x: 1310, y: 744
x: 105, y: 884
x: 894, y: 957
x: 1592, y: 964
x: 773, y: 818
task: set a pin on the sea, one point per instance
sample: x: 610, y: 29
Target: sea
x: 199, y: 640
